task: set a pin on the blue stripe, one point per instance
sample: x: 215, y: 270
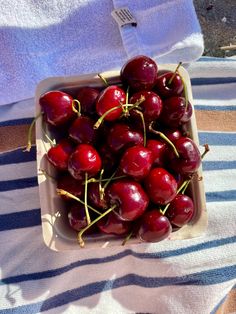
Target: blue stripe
x: 21, y: 219
x: 198, y: 81
x: 18, y: 184
x: 214, y: 59
x: 218, y: 165
x: 95, y: 261
x: 18, y: 156
x: 217, y: 139
x: 16, y: 122
x: 203, y: 278
x: 215, y: 108
x: 221, y: 196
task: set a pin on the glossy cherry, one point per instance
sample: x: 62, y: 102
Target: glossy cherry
x: 136, y: 162
x: 159, y: 151
x: 189, y: 158
x: 130, y: 198
x: 175, y: 112
x: 154, y: 227
x: 167, y: 89
x: 57, y: 107
x: 121, y: 136
x: 82, y: 131
x: 111, y: 97
x: 87, y: 97
x: 181, y: 210
x: 151, y: 107
x: 59, y: 154
x: 139, y: 73
x: 69, y: 184
x: 160, y: 186
x: 112, y: 224
x: 77, y: 217
x: 85, y: 159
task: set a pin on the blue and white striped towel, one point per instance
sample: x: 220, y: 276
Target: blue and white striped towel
x: 178, y: 277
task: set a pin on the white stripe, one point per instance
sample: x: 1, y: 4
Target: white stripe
x: 19, y: 110
x: 221, y: 153
x: 219, y: 181
x: 18, y: 171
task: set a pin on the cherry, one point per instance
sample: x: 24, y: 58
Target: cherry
x: 140, y: 73
x: 68, y: 183
x: 109, y: 159
x: 85, y: 159
x: 159, y: 150
x: 110, y: 100
x: 173, y: 134
x: 112, y: 224
x: 121, y: 136
x: 95, y: 196
x: 82, y: 131
x: 57, y: 107
x: 129, y: 197
x: 77, y: 217
x: 87, y: 97
x: 175, y: 112
x: 59, y: 154
x: 189, y: 158
x: 136, y: 162
x: 154, y: 226
x: 180, y: 210
x: 161, y: 186
x: 166, y: 87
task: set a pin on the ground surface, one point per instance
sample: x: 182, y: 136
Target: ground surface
x: 218, y: 22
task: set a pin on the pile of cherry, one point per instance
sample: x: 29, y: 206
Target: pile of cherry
x: 122, y: 153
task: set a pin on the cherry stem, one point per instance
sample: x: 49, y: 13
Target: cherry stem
x: 138, y: 102
x: 181, y: 189
x: 100, y: 120
x: 185, y: 92
x: 144, y: 127
x: 76, y: 103
x: 103, y: 79
x: 86, y: 199
x: 129, y: 235
x: 207, y: 149
x: 80, y: 240
x: 162, y: 135
x: 126, y: 110
x: 68, y: 194
x: 174, y: 74
x: 93, y: 180
x: 46, y: 174
x: 29, y: 137
x: 101, y: 189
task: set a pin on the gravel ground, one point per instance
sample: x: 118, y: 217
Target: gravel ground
x: 218, y: 22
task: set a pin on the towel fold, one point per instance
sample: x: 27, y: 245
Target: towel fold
x: 62, y: 37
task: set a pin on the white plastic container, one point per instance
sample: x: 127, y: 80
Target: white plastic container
x: 57, y: 234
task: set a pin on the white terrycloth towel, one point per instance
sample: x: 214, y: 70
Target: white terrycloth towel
x: 39, y: 39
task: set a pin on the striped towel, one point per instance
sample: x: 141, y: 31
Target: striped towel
x: 183, y: 276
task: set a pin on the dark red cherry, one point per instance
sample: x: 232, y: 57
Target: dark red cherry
x: 95, y: 197
x: 189, y: 157
x: 159, y: 151
x: 121, y: 136
x: 151, y: 106
x: 181, y: 210
x: 140, y: 73
x: 174, y: 112
x: 160, y: 186
x: 136, y: 162
x: 109, y: 159
x: 130, y: 198
x: 85, y: 159
x: 154, y: 227
x: 82, y: 131
x: 59, y: 154
x: 112, y: 224
x: 77, y: 217
x: 57, y: 107
x: 173, y: 134
x: 68, y: 183
x: 87, y: 97
x: 109, y: 98
x: 166, y: 89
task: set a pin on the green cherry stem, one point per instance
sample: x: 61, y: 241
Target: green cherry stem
x: 75, y: 104
x: 144, y: 126
x: 162, y: 135
x: 92, y: 180
x: 86, y: 199
x: 80, y: 240
x: 29, y: 137
x: 103, y: 79
x: 129, y: 235
x: 68, y: 194
x: 185, y: 92
x: 207, y: 149
x: 100, y: 120
x: 174, y: 74
x: 101, y: 189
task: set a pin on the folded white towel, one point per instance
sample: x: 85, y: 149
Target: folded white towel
x: 50, y: 38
